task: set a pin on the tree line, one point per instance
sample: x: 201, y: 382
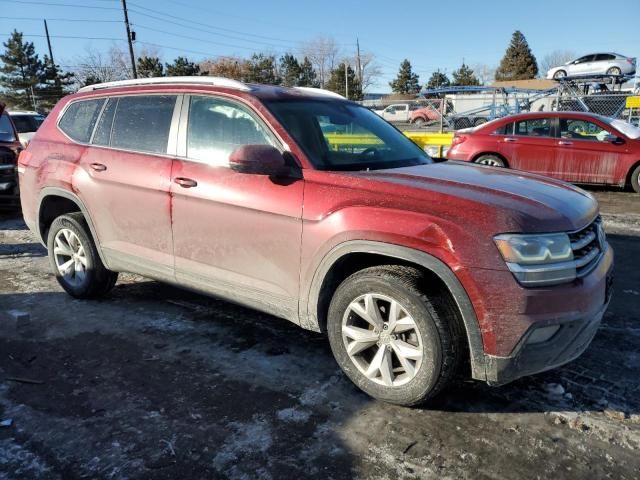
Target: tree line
x: 30, y: 82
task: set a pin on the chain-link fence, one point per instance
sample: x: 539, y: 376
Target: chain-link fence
x: 455, y: 111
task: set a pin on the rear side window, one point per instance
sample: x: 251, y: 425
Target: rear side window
x: 142, y: 123
x: 538, y: 127
x: 102, y: 135
x: 605, y: 56
x: 80, y: 118
x: 27, y: 123
x: 504, y: 130
x: 6, y: 129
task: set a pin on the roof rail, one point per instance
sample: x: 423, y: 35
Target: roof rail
x: 319, y: 91
x: 204, y: 80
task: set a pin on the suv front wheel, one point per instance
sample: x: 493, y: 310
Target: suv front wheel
x: 388, y: 338
x: 75, y: 260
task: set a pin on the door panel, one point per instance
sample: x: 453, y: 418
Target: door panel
x: 584, y: 155
x: 235, y: 234
x: 533, y: 146
x: 127, y: 193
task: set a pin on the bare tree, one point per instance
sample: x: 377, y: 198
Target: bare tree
x: 485, y: 73
x: 322, y: 52
x: 555, y: 59
x: 371, y: 71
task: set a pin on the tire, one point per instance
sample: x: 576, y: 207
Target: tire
x: 491, y: 160
x: 559, y: 74
x: 615, y: 71
x: 419, y: 122
x: 436, y: 342
x: 635, y: 179
x: 69, y: 242
x: 479, y: 121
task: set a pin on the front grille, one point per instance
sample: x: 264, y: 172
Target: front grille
x: 587, y: 245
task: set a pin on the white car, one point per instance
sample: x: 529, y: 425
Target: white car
x: 595, y: 64
x: 26, y: 123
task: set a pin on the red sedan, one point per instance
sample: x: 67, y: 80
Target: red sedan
x: 572, y: 146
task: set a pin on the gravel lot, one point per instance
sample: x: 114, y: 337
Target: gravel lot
x: 155, y: 382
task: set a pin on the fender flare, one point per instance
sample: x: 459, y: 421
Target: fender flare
x: 60, y: 192
x: 309, y: 309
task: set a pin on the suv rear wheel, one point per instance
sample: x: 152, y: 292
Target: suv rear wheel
x: 388, y: 338
x: 75, y: 260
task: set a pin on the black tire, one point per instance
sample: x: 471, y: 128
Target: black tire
x: 615, y: 71
x: 441, y: 340
x: 635, y: 179
x: 419, y: 122
x: 559, y: 74
x: 479, y: 121
x: 98, y: 280
x: 491, y: 160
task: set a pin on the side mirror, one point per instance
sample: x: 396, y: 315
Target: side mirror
x: 614, y: 139
x: 257, y: 160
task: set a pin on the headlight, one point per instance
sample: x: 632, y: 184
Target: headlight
x: 538, y: 260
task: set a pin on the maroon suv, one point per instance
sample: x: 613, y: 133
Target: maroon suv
x: 413, y: 268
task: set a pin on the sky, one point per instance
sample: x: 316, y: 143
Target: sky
x: 432, y: 35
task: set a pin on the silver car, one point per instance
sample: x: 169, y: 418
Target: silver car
x: 595, y: 64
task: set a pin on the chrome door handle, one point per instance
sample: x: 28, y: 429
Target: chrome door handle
x: 185, y: 182
x: 564, y: 142
x: 510, y: 140
x: 98, y: 167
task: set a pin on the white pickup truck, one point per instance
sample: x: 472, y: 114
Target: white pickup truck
x: 398, y: 112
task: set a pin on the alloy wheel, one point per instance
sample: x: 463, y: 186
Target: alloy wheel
x: 382, y: 339
x: 70, y: 257
x: 490, y: 161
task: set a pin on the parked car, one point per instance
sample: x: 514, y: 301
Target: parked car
x: 431, y: 112
x: 612, y: 64
x: 26, y: 123
x: 413, y: 268
x: 9, y: 149
x: 576, y: 147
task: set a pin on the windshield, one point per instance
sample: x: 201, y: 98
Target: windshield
x: 27, y: 123
x: 629, y: 130
x: 345, y: 136
x: 6, y: 129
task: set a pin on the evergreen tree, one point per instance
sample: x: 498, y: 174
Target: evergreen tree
x: 182, y: 67
x: 406, y: 81
x: 438, y: 79
x: 262, y: 69
x: 290, y: 70
x: 464, y: 76
x: 518, y: 62
x: 308, y: 77
x: 21, y: 71
x: 54, y: 84
x: 148, y: 67
x: 336, y: 82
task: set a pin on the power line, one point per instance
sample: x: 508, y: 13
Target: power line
x: 31, y: 2
x: 39, y: 19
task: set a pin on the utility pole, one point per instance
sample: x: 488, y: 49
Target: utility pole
x: 358, y: 63
x: 129, y: 39
x: 46, y: 30
x: 346, y: 80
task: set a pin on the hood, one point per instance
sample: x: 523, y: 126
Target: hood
x: 525, y: 202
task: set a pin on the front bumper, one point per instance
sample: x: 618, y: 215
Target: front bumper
x: 569, y: 342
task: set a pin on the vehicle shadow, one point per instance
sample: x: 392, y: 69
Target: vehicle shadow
x: 33, y: 249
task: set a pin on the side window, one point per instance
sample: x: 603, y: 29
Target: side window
x: 604, y: 56
x: 79, y: 119
x: 504, y: 130
x: 582, y: 130
x: 539, y: 127
x: 142, y: 123
x: 102, y: 135
x: 217, y: 127
x: 6, y: 129
x: 585, y: 59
